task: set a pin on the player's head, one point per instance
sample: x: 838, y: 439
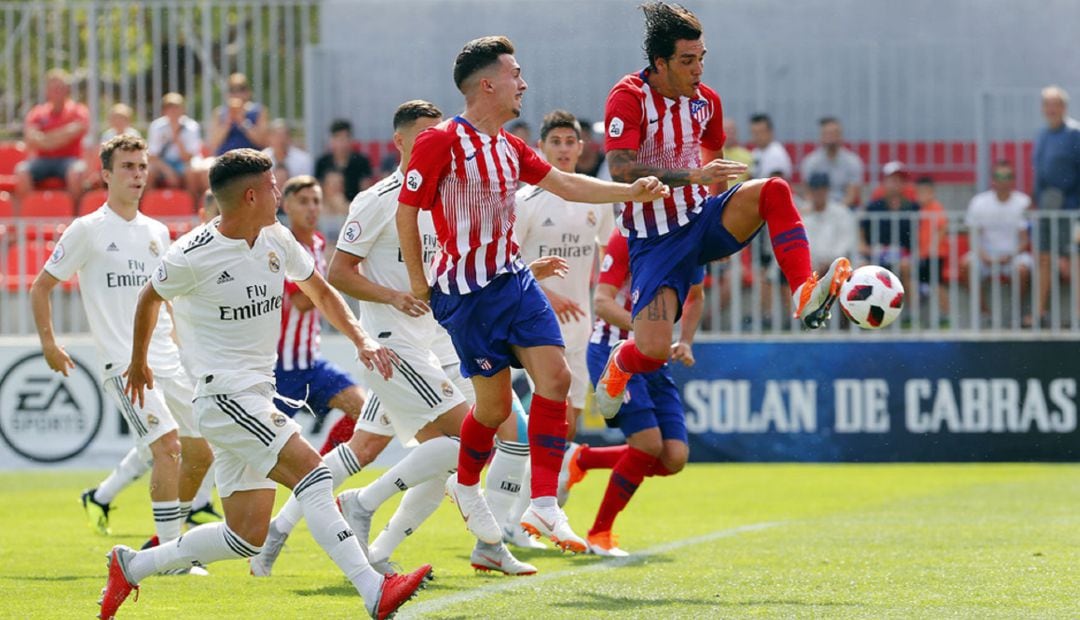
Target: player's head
x: 761, y: 130
x: 341, y: 141
x: 410, y: 119
x: 124, y: 168
x: 301, y: 200
x: 832, y: 134
x: 560, y: 140
x: 243, y: 183
x: 208, y: 210
x: 1055, y: 102
x: 486, y: 68
x: 674, y: 48
x: 1003, y: 176
x: 731, y: 131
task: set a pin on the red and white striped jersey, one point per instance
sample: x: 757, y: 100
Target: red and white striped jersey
x: 467, y: 179
x: 665, y: 133
x: 614, y: 270
x: 298, y: 346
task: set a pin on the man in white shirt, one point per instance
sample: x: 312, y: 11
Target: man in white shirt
x: 998, y: 225
x: 842, y: 165
x: 175, y: 146
x: 830, y: 226
x: 227, y: 283
x: 295, y: 160
x: 114, y: 251
x: 771, y: 159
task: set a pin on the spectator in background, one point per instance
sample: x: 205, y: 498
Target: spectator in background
x: 281, y: 151
x: 770, y: 157
x: 1057, y: 187
x: 522, y: 130
x: 208, y: 209
x: 998, y: 223
x: 119, y: 121
x: 734, y: 151
x: 342, y: 158
x: 592, y: 150
x: 830, y: 225
x: 335, y: 204
x: 174, y: 144
x: 886, y: 231
x: 240, y: 123
x: 933, y: 242
x: 843, y: 166
x: 54, y: 132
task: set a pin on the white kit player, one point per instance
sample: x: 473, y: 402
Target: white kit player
x: 114, y: 251
x: 227, y: 284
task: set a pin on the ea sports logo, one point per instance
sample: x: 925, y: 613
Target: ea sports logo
x: 44, y: 416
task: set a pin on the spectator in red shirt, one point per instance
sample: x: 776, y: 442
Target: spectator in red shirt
x: 54, y: 131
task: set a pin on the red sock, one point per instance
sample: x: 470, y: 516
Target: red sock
x: 625, y: 479
x: 660, y: 470
x: 792, y: 250
x: 340, y: 433
x: 477, y: 441
x: 600, y: 458
x: 630, y: 359
x: 547, y: 444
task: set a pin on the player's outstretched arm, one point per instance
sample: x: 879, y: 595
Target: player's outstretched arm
x: 609, y: 309
x: 626, y: 169
x: 346, y: 274
x: 581, y: 188
x: 138, y: 374
x: 333, y: 307
x: 694, y: 305
x: 41, y: 306
x: 412, y: 250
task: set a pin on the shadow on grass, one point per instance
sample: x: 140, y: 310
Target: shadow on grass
x: 48, y: 578
x: 603, y: 602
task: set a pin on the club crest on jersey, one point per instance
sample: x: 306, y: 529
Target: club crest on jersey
x: 699, y: 108
x: 615, y: 127
x: 57, y: 253
x: 591, y: 218
x: 278, y: 419
x: 152, y: 419
x: 154, y: 247
x: 447, y: 389
x: 351, y: 232
x: 414, y: 180
x: 275, y: 264
x: 385, y: 421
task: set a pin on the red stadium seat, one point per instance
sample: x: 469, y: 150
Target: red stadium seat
x: 167, y: 203
x: 91, y: 200
x: 47, y: 203
x: 7, y: 207
x: 37, y: 252
x: 11, y: 153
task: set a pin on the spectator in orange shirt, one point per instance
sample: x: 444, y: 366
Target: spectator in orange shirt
x: 54, y: 131
x: 933, y: 241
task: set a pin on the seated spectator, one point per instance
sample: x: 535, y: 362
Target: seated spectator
x: 240, y: 123
x: 843, y: 166
x: 174, y: 144
x: 830, y: 225
x: 119, y: 124
x: 886, y: 228
x: 933, y: 242
x: 343, y: 159
x: 281, y: 151
x: 54, y: 132
x: 771, y: 159
x: 734, y: 151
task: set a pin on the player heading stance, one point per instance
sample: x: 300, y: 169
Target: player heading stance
x: 664, y: 122
x: 231, y: 325
x: 465, y: 171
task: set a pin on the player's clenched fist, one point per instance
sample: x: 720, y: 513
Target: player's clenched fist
x: 647, y: 189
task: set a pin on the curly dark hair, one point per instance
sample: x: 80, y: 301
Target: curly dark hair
x: 664, y: 25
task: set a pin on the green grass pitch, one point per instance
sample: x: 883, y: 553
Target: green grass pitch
x: 716, y: 541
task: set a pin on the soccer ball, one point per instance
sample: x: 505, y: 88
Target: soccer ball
x: 873, y: 297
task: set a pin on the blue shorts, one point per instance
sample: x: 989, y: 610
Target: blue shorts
x: 510, y: 310
x: 320, y: 384
x: 675, y: 260
x: 653, y: 399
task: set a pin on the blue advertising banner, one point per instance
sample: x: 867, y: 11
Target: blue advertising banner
x: 836, y: 401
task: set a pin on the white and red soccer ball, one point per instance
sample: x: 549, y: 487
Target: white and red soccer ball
x: 873, y: 297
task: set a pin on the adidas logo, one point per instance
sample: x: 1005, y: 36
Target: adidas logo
x: 548, y: 222
x: 224, y: 277
x: 112, y: 248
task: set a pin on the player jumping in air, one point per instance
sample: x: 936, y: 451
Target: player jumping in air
x: 664, y: 122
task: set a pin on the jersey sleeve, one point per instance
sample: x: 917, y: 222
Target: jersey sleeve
x: 428, y: 163
x: 523, y: 212
x: 299, y: 264
x: 70, y: 253
x: 622, y: 119
x: 364, y: 224
x: 533, y: 167
x: 713, y: 138
x: 605, y: 224
x: 173, y: 276
x: 615, y: 268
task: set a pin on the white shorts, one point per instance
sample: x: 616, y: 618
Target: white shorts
x: 419, y: 391
x: 576, y: 356
x: 165, y: 408
x: 246, y: 432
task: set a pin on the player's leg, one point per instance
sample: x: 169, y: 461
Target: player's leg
x: 505, y: 484
x: 202, y: 505
x: 97, y: 501
x: 196, y: 457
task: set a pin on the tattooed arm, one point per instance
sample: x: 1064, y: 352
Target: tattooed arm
x: 625, y: 168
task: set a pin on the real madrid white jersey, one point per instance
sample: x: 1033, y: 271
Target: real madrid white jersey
x: 370, y: 232
x: 227, y: 301
x: 114, y: 258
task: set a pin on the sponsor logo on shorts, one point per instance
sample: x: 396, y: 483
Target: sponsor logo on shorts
x: 615, y: 127
x: 484, y: 363
x: 154, y: 247
x: 414, y: 180
x: 275, y: 264
x: 352, y: 231
x: 447, y: 389
x: 279, y: 419
x: 152, y: 419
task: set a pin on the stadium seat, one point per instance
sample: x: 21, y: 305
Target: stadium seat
x: 167, y: 203
x: 37, y: 252
x: 91, y: 200
x: 7, y: 207
x: 11, y: 153
x: 47, y: 203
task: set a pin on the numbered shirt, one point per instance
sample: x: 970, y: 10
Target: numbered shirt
x: 227, y: 300
x: 370, y: 233
x: 114, y: 258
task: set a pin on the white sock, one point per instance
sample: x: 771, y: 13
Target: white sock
x: 185, y: 510
x: 206, y: 490
x: 521, y: 503
x: 204, y: 544
x: 315, y: 493
x: 342, y: 463
x: 128, y: 470
x: 504, y: 479
x: 429, y: 459
x: 167, y: 519
x: 416, y: 506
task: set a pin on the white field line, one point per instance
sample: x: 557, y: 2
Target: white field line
x: 520, y: 583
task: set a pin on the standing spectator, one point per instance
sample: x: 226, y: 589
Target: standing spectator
x: 830, y: 225
x: 771, y: 159
x: 54, y: 131
x: 933, y: 242
x: 1057, y: 186
x: 998, y: 221
x: 295, y: 160
x: 733, y: 151
x: 240, y: 123
x: 886, y: 231
x: 342, y: 158
x: 843, y: 166
x: 174, y: 143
